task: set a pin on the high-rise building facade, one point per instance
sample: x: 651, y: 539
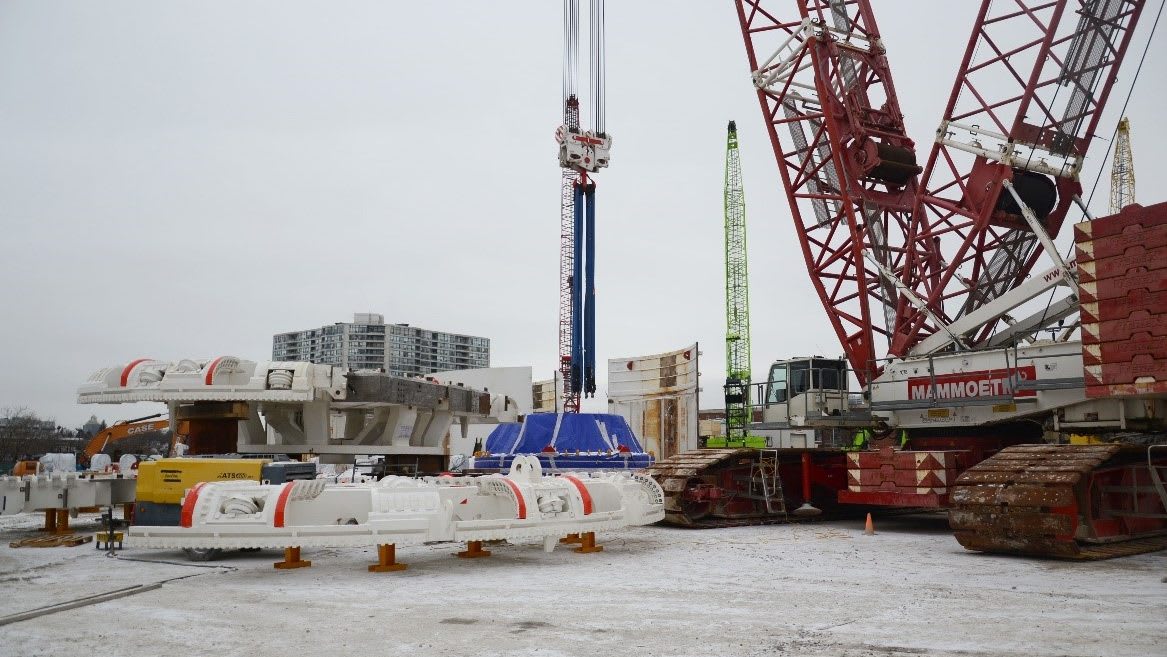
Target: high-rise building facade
x: 368, y: 343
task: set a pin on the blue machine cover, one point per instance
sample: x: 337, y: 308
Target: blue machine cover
x: 597, y: 433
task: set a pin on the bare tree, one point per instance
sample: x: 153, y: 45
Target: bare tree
x: 25, y: 435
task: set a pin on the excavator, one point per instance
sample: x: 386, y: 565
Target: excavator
x: 139, y: 427
x: 1023, y: 391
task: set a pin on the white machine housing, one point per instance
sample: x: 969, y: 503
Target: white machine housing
x: 523, y: 504
x: 806, y: 403
x: 987, y: 386
x: 63, y: 491
x: 583, y: 150
x: 290, y: 405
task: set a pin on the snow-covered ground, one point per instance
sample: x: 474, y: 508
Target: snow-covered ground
x: 810, y: 589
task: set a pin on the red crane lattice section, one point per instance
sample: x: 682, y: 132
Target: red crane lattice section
x: 895, y: 256
x: 1026, y: 101
x: 845, y: 160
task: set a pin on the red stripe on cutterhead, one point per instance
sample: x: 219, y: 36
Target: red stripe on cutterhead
x: 211, y: 370
x: 283, y: 502
x: 188, y: 505
x: 583, y: 493
x: 518, y: 498
x: 130, y: 368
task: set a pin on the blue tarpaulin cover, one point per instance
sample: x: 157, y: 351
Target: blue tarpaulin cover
x: 603, y: 440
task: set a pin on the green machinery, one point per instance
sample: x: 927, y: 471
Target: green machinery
x: 738, y: 408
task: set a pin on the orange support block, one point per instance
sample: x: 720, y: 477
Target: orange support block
x: 571, y: 539
x: 292, y: 560
x: 62, y: 524
x: 473, y: 550
x: 588, y: 544
x: 50, y: 521
x: 387, y: 560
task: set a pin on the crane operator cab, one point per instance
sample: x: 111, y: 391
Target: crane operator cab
x: 798, y: 392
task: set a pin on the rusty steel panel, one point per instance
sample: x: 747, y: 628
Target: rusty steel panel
x: 653, y: 375
x: 1013, y: 494
x: 999, y: 477
x: 1050, y: 453
x: 1024, y: 460
x: 1068, y: 466
x: 649, y: 425
x: 1032, y: 522
x: 657, y: 394
x: 678, y: 472
x: 1043, y: 546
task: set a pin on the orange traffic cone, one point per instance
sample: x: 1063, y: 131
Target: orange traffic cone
x: 869, y: 528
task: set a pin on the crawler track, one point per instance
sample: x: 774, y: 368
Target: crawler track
x: 678, y: 474
x: 1046, y: 500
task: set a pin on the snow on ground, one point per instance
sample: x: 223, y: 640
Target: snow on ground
x: 811, y: 589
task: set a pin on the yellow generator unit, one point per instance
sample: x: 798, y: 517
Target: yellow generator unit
x: 162, y: 483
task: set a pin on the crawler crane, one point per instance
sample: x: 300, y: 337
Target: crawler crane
x: 941, y: 282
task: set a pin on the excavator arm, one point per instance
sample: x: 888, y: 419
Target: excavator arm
x: 123, y: 430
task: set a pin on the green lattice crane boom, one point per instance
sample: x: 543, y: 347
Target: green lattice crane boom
x: 737, y: 295
x: 1122, y: 171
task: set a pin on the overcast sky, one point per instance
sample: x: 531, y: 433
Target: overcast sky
x: 184, y: 179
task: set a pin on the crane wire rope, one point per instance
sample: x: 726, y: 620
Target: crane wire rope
x: 570, y: 47
x: 596, y: 79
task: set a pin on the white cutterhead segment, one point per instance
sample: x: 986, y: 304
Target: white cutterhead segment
x: 136, y: 373
x: 225, y: 378
x: 225, y: 367
x: 404, y: 511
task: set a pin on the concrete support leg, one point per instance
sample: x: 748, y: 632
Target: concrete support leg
x: 292, y: 560
x: 571, y: 539
x: 473, y: 550
x: 589, y: 544
x: 387, y: 560
x: 62, y: 522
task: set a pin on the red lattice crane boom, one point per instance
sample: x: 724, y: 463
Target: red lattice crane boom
x: 1022, y: 112
x: 844, y: 157
x: 907, y: 263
